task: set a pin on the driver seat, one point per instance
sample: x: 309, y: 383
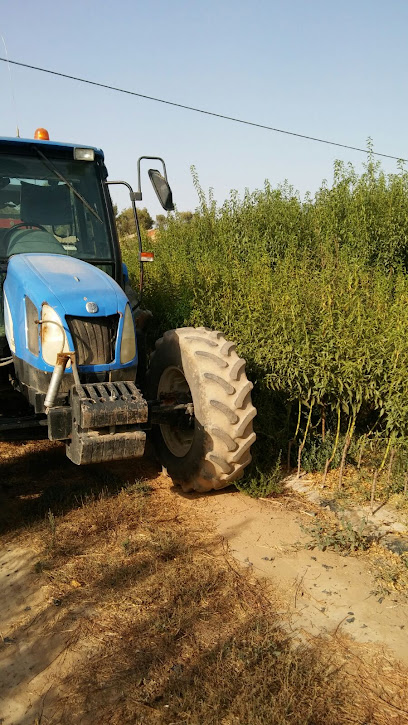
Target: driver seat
x: 23, y: 241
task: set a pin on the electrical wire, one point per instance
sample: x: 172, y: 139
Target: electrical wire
x: 201, y: 110
x: 11, y: 84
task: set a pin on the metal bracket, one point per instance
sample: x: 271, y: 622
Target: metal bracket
x: 138, y: 193
x: 134, y: 196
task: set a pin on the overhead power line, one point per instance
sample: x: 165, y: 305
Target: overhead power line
x: 11, y: 85
x: 201, y: 110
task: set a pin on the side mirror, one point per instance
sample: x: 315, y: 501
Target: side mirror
x: 160, y: 184
x: 162, y: 189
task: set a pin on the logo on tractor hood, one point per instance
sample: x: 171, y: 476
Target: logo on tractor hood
x: 91, y: 307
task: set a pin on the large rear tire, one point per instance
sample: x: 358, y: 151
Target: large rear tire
x: 201, y: 364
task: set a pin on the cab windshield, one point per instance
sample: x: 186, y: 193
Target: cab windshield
x: 41, y: 213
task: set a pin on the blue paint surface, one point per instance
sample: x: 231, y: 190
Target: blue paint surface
x: 8, y: 141
x: 66, y: 284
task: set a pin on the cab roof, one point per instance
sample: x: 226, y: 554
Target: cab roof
x: 57, y: 145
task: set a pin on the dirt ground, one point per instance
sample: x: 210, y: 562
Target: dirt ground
x: 319, y: 591
x: 322, y: 590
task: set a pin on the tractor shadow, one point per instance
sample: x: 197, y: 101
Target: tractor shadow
x: 36, y: 477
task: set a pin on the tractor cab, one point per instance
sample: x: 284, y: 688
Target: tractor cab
x: 53, y: 200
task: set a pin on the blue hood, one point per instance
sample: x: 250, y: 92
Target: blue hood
x: 67, y: 284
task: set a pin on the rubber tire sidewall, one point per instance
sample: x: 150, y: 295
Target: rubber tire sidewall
x: 181, y: 469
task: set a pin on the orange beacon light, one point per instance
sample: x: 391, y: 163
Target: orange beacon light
x: 41, y: 134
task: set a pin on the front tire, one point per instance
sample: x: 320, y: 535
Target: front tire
x: 202, y: 365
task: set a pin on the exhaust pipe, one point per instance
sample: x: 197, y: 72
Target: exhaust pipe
x: 62, y: 361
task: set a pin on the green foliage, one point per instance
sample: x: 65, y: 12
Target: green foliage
x: 125, y: 222
x: 337, y: 535
x: 160, y: 219
x: 186, y: 216
x: 260, y: 481
x: 182, y: 216
x: 314, y: 292
x: 145, y: 220
x: 317, y: 451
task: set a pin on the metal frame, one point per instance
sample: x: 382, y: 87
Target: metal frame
x: 137, y: 195
x: 132, y: 195
x: 58, y: 424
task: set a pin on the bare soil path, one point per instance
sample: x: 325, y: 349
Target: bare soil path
x: 320, y: 592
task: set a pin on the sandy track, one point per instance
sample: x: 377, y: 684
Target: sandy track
x: 321, y: 592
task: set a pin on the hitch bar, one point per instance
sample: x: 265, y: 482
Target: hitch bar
x: 179, y: 415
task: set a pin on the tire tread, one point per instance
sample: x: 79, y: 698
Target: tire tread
x: 221, y: 373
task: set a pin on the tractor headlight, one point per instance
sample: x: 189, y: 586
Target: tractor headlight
x: 53, y: 337
x: 128, y: 344
x: 9, y: 325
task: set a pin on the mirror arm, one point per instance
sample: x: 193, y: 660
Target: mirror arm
x: 138, y: 193
x: 133, y: 198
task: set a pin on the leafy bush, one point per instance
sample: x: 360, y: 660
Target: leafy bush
x: 314, y: 292
x: 262, y: 481
x: 317, y: 451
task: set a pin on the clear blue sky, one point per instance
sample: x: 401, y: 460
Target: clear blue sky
x: 335, y: 70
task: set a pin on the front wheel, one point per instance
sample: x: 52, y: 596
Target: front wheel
x: 199, y: 365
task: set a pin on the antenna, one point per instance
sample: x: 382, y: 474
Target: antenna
x: 11, y: 85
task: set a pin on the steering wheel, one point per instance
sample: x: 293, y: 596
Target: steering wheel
x: 18, y: 226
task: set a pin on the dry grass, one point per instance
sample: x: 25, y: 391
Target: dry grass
x: 164, y: 629
x: 336, y: 532
x: 357, y: 485
x: 390, y: 571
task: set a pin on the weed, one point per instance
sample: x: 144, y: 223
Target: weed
x: 127, y: 546
x: 139, y: 486
x: 338, y: 535
x: 39, y: 566
x: 260, y: 483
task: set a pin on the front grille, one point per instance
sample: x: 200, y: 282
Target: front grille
x: 94, y: 338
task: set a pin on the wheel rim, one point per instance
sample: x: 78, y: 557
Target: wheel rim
x: 177, y: 440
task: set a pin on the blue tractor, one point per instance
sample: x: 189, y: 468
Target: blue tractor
x: 72, y: 366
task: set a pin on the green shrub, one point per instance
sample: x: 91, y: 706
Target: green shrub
x: 317, y: 451
x: 314, y: 292
x: 263, y: 480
